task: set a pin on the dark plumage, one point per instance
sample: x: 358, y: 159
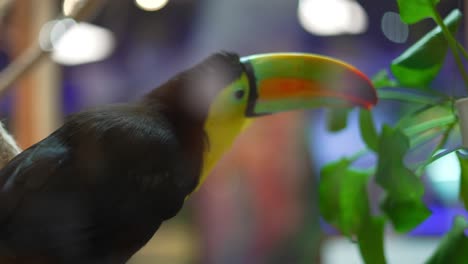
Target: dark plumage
x: 97, y: 189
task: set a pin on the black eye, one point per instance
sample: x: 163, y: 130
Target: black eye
x: 239, y: 94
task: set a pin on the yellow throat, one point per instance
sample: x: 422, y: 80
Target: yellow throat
x: 226, y: 120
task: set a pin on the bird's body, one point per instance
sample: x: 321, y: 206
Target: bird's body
x: 92, y: 194
x: 98, y: 188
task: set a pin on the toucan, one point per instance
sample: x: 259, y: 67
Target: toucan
x: 99, y: 187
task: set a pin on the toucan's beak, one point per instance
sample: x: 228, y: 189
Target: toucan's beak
x: 288, y: 81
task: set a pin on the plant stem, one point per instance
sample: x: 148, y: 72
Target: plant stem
x: 359, y: 155
x: 433, y: 123
x: 420, y: 169
x: 452, y: 42
x: 424, y: 138
x: 434, y: 156
x: 443, y: 140
x: 403, y: 120
x: 389, y: 94
x: 462, y: 49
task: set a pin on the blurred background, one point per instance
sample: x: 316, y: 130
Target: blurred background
x: 259, y: 205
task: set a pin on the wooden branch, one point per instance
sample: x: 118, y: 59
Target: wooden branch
x: 26, y: 61
x: 8, y: 147
x: 4, y: 8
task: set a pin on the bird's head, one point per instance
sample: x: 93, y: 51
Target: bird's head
x: 226, y: 91
x: 270, y: 83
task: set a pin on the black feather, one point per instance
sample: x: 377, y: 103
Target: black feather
x: 98, y: 188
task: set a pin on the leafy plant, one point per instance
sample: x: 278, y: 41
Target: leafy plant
x: 344, y: 201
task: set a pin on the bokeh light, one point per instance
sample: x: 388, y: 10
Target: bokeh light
x: 52, y: 31
x: 151, y: 5
x: 70, y: 5
x: 74, y: 43
x: 393, y: 28
x: 332, y: 17
x: 444, y: 176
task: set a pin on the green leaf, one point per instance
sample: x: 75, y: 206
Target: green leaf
x: 354, y: 202
x: 427, y: 123
x: 464, y: 177
x: 412, y: 11
x: 420, y: 63
x: 405, y: 213
x: 421, y: 114
x: 337, y: 119
x: 393, y: 146
x: 404, y: 190
x: 368, y: 132
x: 329, y: 188
x: 343, y: 196
x: 454, y: 246
x: 382, y: 79
x: 370, y: 241
x: 430, y: 124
